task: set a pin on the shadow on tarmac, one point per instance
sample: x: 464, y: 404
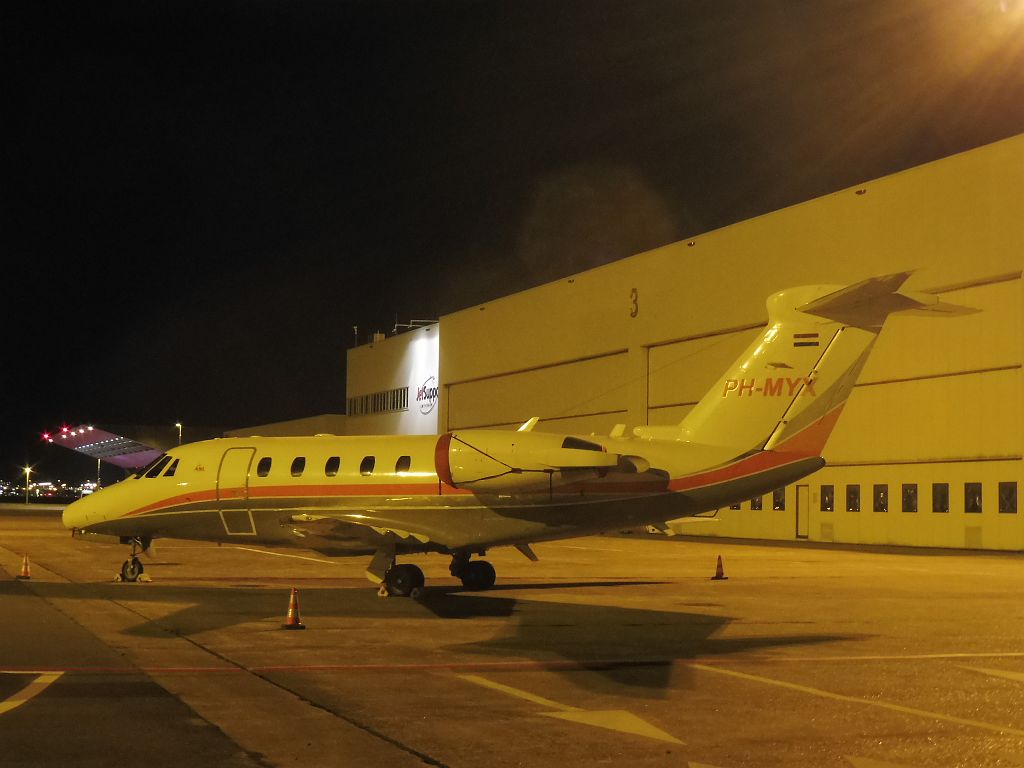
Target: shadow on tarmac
x: 625, y: 651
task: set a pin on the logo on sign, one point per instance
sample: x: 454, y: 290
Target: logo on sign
x: 426, y: 395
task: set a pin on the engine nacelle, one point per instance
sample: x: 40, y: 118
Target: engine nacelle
x: 501, y: 461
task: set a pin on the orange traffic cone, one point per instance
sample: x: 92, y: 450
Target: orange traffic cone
x: 25, y: 572
x: 719, y: 571
x: 292, y: 621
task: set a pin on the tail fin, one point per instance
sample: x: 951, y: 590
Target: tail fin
x: 786, y: 391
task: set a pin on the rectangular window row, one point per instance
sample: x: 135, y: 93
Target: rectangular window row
x: 908, y: 500
x: 973, y: 498
x: 332, y: 465
x: 388, y: 401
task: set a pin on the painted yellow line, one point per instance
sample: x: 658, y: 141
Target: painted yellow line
x: 525, y: 695
x: 33, y: 689
x: 1018, y: 676
x: 282, y: 554
x: 858, y: 700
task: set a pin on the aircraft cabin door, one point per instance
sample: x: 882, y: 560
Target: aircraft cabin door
x: 803, y: 511
x: 233, y: 491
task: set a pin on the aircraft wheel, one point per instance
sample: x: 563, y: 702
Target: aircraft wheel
x: 401, y: 580
x: 131, y: 569
x: 478, y: 575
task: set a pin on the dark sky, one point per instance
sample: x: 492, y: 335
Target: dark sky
x: 203, y: 199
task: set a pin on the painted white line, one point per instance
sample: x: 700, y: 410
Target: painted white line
x: 282, y: 554
x: 1018, y: 676
x: 613, y: 719
x: 857, y: 700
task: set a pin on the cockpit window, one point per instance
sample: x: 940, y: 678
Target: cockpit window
x: 149, y: 466
x: 171, y: 469
x: 581, y: 445
x: 158, y: 467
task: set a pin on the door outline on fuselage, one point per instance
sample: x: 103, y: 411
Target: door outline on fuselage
x: 232, y: 497
x: 803, y: 511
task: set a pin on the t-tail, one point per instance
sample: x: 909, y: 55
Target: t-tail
x: 786, y: 391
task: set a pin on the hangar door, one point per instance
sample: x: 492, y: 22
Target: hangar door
x: 579, y: 393
x: 233, y: 491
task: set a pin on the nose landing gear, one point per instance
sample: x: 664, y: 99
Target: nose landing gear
x: 131, y: 569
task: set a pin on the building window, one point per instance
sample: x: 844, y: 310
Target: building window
x: 880, y: 497
x: 332, y: 465
x: 940, y: 497
x: 366, y: 467
x: 853, y: 498
x: 1008, y: 497
x: 828, y: 498
x: 910, y: 497
x: 298, y: 466
x: 756, y: 503
x: 779, y: 498
x: 263, y: 468
x: 388, y: 401
x: 972, y: 497
x: 403, y: 464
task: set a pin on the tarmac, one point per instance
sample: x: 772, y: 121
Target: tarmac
x: 616, y: 650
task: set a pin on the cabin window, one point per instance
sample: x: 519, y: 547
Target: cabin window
x: 853, y: 498
x: 332, y: 466
x: 972, y: 497
x: 880, y: 497
x: 263, y: 468
x: 828, y: 498
x: 403, y: 464
x: 158, y: 467
x: 1008, y: 497
x: 171, y: 469
x: 779, y: 498
x: 757, y: 503
x: 298, y: 466
x: 910, y: 497
x: 366, y: 466
x: 940, y: 497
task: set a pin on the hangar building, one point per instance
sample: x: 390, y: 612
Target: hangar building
x: 929, y: 449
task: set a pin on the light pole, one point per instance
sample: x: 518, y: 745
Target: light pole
x: 28, y: 472
x: 178, y: 425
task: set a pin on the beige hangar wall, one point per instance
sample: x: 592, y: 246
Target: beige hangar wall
x: 639, y: 341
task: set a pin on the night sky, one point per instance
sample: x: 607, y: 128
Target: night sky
x: 203, y: 199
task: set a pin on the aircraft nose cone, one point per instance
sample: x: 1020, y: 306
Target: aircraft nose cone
x: 74, y: 515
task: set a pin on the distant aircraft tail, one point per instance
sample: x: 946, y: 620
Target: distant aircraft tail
x: 786, y: 391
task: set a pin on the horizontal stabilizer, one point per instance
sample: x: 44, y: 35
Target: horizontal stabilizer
x: 866, y: 304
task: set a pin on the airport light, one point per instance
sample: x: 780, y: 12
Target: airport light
x: 28, y: 472
x: 178, y: 425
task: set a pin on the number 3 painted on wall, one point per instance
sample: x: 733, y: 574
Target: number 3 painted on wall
x: 634, y: 302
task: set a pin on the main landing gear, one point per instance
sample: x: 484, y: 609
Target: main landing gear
x: 475, y: 575
x: 132, y: 568
x: 406, y: 579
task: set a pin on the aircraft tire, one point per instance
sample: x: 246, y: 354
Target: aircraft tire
x: 478, y: 575
x: 131, y: 569
x: 402, y: 579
